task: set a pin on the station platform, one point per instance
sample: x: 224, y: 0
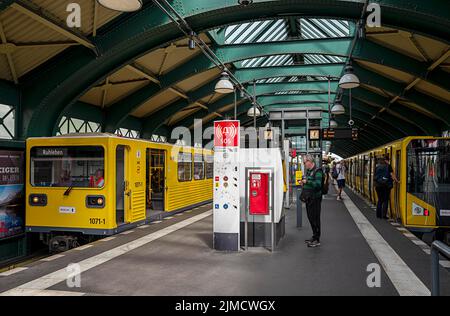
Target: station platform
x: 175, y: 257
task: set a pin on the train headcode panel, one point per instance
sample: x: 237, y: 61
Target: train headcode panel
x: 226, y: 185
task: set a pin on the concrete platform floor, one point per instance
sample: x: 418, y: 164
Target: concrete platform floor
x: 175, y: 257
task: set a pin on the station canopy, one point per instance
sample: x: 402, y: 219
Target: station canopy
x: 134, y: 73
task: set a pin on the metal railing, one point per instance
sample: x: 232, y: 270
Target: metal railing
x: 437, y: 248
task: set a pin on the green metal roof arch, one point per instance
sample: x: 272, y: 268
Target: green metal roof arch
x: 149, y: 28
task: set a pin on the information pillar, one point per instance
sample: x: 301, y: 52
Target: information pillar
x: 226, y: 204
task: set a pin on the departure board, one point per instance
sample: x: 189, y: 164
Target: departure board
x: 340, y: 134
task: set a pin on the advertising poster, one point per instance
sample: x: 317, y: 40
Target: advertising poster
x: 12, y: 210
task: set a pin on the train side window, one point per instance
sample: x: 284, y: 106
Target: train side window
x: 209, y: 167
x: 184, y: 167
x: 199, y: 167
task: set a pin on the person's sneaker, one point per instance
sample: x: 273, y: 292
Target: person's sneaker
x: 314, y: 244
x: 308, y: 241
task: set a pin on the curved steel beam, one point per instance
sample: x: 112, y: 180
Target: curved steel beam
x: 365, y: 49
x: 384, y: 131
x: 386, y: 121
x: 372, y: 52
x: 149, y: 28
x: 375, y: 131
x: 432, y: 107
x: 322, y: 70
x: 422, y: 122
x: 319, y: 86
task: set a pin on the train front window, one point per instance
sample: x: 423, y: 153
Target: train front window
x: 80, y: 167
x: 429, y: 171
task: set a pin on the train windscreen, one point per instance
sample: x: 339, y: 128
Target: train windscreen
x: 429, y: 171
x: 71, y: 166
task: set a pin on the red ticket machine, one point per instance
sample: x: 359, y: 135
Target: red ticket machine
x: 259, y: 193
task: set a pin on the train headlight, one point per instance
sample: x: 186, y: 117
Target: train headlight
x: 95, y: 201
x: 38, y: 200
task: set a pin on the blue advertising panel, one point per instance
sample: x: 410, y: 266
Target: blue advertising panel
x: 12, y: 210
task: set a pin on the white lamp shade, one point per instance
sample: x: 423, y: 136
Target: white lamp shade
x: 338, y: 109
x: 333, y: 124
x: 252, y: 112
x: 122, y: 5
x: 224, y: 86
x: 349, y: 81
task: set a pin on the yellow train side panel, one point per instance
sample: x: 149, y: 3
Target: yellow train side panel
x: 178, y: 195
x: 51, y: 215
x: 401, y: 202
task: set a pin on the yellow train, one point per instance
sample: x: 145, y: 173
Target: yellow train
x: 80, y: 186
x: 421, y: 201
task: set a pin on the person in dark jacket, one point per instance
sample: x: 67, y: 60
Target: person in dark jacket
x: 382, y: 179
x: 312, y: 183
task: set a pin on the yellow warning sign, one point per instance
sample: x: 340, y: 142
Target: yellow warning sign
x: 298, y: 177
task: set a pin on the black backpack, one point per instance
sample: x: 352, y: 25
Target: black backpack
x: 382, y: 176
x: 335, y: 173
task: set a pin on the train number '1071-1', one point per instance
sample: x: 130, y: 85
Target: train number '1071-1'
x: 97, y: 221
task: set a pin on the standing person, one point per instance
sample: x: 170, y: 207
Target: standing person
x: 392, y: 178
x: 327, y: 176
x: 341, y: 169
x: 382, y: 176
x: 312, y: 196
x: 334, y: 173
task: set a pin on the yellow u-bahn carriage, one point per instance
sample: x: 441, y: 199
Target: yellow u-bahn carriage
x: 421, y: 201
x: 101, y: 184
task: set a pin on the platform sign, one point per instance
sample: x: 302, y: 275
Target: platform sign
x: 226, y: 134
x: 226, y: 206
x: 340, y: 134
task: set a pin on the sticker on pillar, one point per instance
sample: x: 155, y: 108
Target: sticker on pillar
x: 226, y: 133
x: 217, y: 206
x: 225, y: 206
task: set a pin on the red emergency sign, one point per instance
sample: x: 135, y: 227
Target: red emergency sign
x: 259, y: 193
x: 226, y: 133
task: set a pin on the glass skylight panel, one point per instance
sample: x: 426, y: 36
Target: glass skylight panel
x: 245, y: 35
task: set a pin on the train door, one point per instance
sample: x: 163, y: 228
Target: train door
x: 156, y: 183
x: 361, y: 175
x: 122, y: 185
x: 397, y: 170
x: 370, y: 177
x: 366, y: 177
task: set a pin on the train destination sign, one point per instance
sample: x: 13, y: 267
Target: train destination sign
x: 340, y: 133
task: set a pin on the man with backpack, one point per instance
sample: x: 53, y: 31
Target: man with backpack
x: 313, y: 188
x: 384, y: 182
